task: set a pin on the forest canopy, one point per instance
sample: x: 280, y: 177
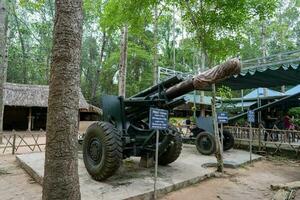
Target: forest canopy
x: 181, y: 35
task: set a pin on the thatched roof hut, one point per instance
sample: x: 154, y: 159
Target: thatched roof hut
x: 31, y: 96
x: 26, y: 107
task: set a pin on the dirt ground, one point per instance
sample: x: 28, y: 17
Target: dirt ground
x: 245, y: 183
x: 15, y: 183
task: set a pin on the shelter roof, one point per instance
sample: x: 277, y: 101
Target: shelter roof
x: 31, y: 95
x: 262, y: 92
x: 264, y: 76
x: 293, y: 90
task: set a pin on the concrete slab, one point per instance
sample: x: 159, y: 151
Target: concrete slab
x: 133, y: 182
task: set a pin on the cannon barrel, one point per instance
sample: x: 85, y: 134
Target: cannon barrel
x: 165, y: 84
x: 165, y: 94
x: 205, y: 79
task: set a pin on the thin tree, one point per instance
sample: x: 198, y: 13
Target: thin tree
x: 98, y: 71
x: 61, y: 161
x: 123, y: 61
x: 155, y: 48
x: 3, y: 59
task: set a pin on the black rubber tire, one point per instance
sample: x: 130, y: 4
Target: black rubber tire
x: 205, y: 143
x: 173, y: 151
x: 109, y: 138
x: 228, y: 140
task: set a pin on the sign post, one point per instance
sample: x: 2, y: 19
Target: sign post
x: 222, y: 118
x: 251, y: 119
x: 158, y: 120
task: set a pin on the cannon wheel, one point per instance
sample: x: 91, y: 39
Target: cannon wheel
x: 102, y: 150
x: 228, y: 141
x: 205, y: 143
x: 173, y: 151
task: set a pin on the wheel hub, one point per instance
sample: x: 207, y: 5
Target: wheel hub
x: 205, y: 143
x: 95, y: 150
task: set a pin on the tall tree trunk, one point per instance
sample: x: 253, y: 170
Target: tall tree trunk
x: 123, y: 62
x: 47, y: 68
x: 219, y: 152
x: 202, y: 109
x: 155, y: 56
x: 61, y: 161
x: 24, y: 67
x: 3, y: 59
x: 173, y: 33
x: 263, y: 40
x: 96, y: 82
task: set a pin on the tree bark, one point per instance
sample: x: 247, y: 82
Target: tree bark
x: 3, y: 59
x: 263, y: 40
x: 219, y: 151
x: 61, y: 160
x: 174, y: 38
x: 155, y: 56
x: 96, y: 82
x: 123, y: 62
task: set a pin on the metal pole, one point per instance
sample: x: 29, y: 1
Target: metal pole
x: 242, y: 91
x: 158, y: 75
x: 222, y: 139
x: 156, y: 163
x: 250, y: 143
x: 202, y: 111
x: 195, y: 110
x: 258, y: 105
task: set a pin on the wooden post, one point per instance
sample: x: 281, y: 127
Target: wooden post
x: 29, y: 120
x: 14, y: 143
x: 202, y: 110
x: 195, y: 110
x: 218, y: 154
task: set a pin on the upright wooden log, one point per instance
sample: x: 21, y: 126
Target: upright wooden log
x: 61, y: 180
x: 218, y: 154
x: 29, y: 119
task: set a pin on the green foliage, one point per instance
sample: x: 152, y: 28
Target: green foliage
x: 224, y: 92
x: 218, y: 23
x: 219, y: 29
x: 295, y: 112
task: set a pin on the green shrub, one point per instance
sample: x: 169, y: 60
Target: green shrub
x: 296, y: 113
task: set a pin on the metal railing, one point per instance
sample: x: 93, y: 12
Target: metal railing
x: 265, y: 139
x: 275, y: 59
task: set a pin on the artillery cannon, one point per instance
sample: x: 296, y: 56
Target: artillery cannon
x: 124, y: 130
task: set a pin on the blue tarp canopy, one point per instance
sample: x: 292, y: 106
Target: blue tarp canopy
x: 245, y: 104
x: 293, y: 90
x: 264, y: 76
x: 261, y: 92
